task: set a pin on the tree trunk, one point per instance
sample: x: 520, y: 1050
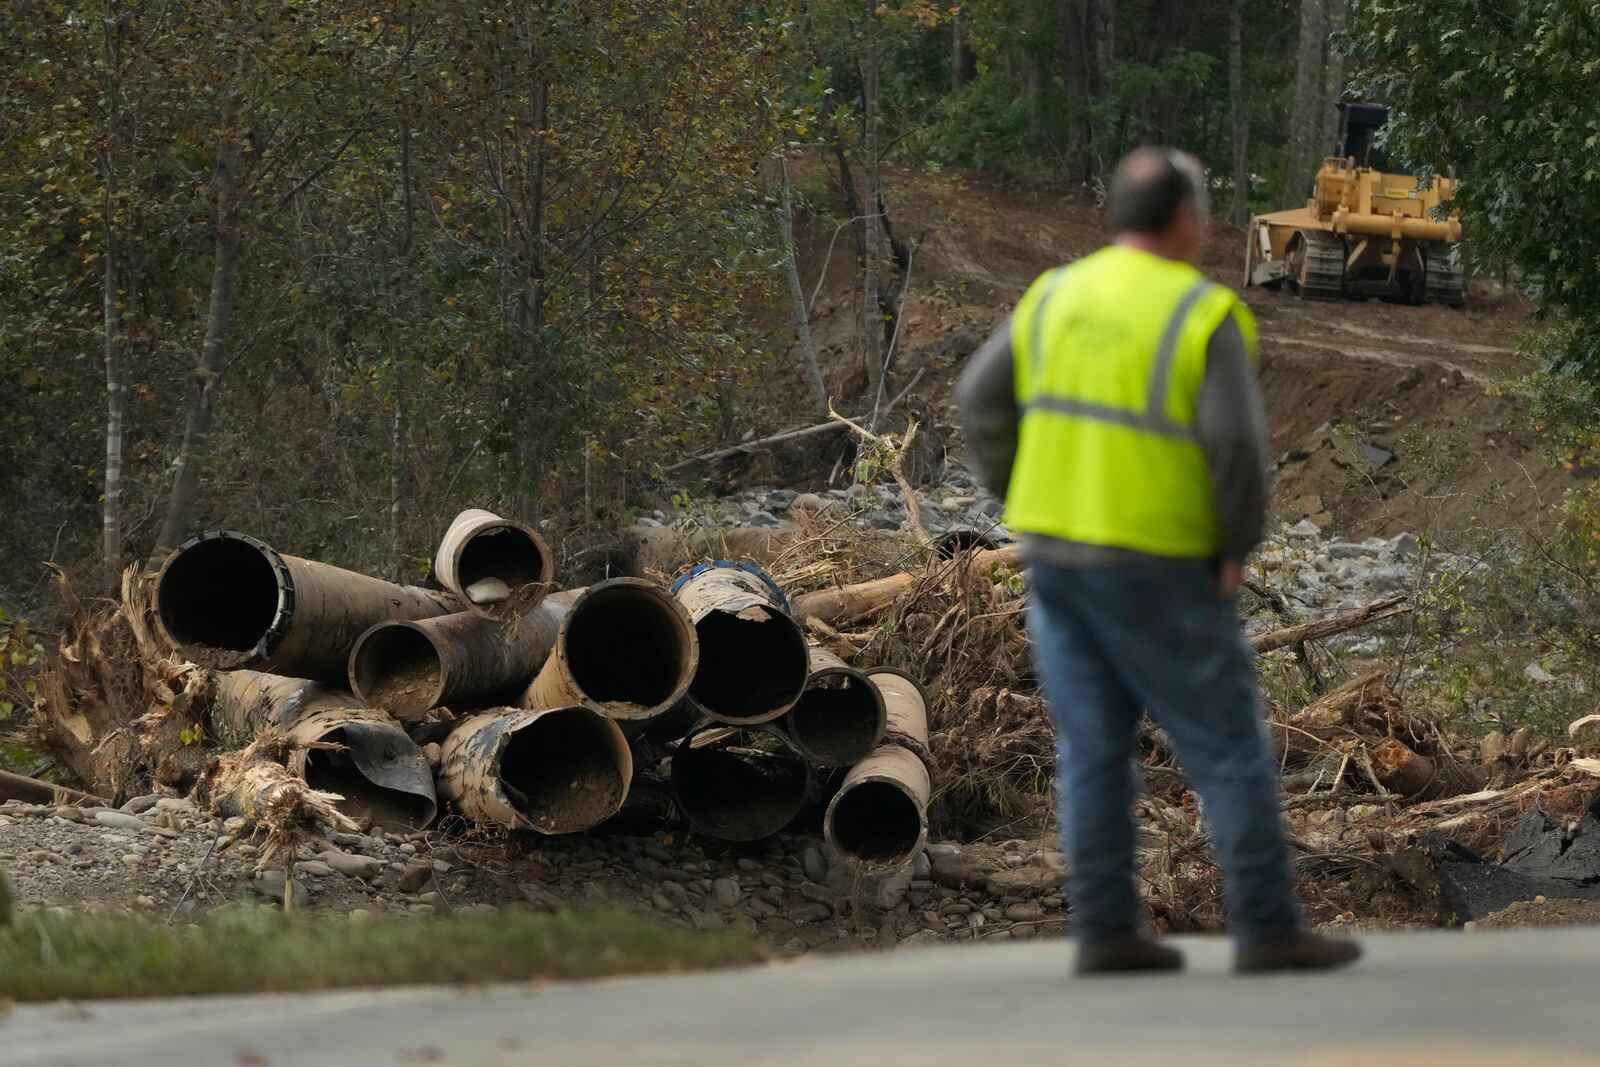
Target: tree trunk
x: 797, y: 296
x: 871, y: 316
x: 1239, y: 205
x: 1077, y: 57
x: 185, y: 499
x: 1304, y: 118
x: 116, y: 405
x: 1332, y: 82
x: 959, y: 55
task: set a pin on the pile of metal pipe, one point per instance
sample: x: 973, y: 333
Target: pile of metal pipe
x: 535, y: 697
x: 878, y: 819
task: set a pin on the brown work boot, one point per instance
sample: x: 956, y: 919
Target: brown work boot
x: 1298, y: 950
x: 1133, y: 952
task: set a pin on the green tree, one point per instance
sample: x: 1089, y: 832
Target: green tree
x: 1507, y: 93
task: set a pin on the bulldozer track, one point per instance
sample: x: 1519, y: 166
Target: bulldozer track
x: 1322, y: 269
x: 1443, y: 279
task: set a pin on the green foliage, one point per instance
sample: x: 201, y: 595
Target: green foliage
x: 255, y: 949
x: 1506, y: 92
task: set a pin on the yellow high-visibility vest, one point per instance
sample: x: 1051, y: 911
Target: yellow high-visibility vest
x: 1110, y: 353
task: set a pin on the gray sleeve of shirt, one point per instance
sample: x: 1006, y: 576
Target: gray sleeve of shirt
x: 1231, y: 423
x: 986, y: 396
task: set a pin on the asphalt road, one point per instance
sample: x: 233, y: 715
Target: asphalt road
x: 1522, y: 997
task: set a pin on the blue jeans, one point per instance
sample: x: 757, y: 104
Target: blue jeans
x: 1112, y: 642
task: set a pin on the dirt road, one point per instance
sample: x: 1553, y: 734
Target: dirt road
x: 1433, y: 386
x: 1521, y: 997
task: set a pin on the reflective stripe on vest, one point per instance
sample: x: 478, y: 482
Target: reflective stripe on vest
x: 1153, y: 419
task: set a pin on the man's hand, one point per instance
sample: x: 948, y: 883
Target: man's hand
x: 1229, y: 573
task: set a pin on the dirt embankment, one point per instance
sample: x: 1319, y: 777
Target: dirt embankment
x: 1385, y: 417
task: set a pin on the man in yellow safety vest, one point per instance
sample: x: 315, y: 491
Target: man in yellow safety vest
x: 1117, y: 413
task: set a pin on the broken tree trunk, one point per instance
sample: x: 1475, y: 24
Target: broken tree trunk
x: 849, y: 603
x: 33, y: 791
x: 255, y: 785
x: 1377, y: 611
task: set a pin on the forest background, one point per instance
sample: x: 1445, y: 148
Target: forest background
x: 327, y: 273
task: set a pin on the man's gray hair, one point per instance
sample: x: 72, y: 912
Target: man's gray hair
x: 1151, y: 184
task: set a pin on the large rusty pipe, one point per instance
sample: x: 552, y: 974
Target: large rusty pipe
x: 739, y: 784
x: 839, y: 719
x: 625, y: 647
x: 379, y: 772
x: 407, y: 666
x: 498, y: 567
x: 557, y: 771
x: 227, y: 601
x: 753, y: 662
x: 878, y: 819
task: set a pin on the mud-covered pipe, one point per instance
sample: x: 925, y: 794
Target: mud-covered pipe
x: 879, y: 817
x: 557, y: 771
x: 626, y: 648
x: 379, y: 772
x: 753, y: 661
x: 839, y: 719
x: 407, y: 666
x: 739, y: 784
x: 227, y: 601
x: 498, y: 567
x: 952, y: 544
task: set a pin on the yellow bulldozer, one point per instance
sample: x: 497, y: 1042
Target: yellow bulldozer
x: 1365, y: 232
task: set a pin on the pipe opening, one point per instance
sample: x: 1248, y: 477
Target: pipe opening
x: 838, y: 719
x: 627, y: 644
x: 504, y: 552
x: 876, y: 823
x: 956, y: 542
x: 560, y: 772
x: 739, y: 785
x: 339, y: 771
x: 397, y: 668
x: 218, y: 593
x: 753, y: 664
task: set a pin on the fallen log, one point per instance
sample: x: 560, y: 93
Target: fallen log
x: 33, y: 791
x: 1377, y: 611
x: 848, y: 603
x: 788, y: 436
